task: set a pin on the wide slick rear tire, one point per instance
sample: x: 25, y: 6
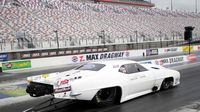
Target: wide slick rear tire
x: 105, y: 97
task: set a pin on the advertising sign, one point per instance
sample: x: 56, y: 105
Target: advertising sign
x: 75, y: 51
x: 192, y: 58
x: 100, y: 49
x: 44, y: 54
x: 68, y: 52
x: 3, y: 57
x: 52, y: 53
x: 82, y: 51
x: 61, y: 52
x: 16, y: 65
x: 186, y: 48
x: 150, y: 52
x: 171, y: 49
x: 88, y: 50
x: 35, y: 54
x: 25, y: 55
x: 94, y: 50
x: 99, y: 56
x: 198, y: 47
x: 170, y: 60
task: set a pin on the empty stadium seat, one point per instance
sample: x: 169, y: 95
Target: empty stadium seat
x: 79, y: 23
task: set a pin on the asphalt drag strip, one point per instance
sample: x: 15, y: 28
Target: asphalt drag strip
x: 163, y: 101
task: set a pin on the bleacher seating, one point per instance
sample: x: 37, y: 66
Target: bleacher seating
x: 80, y: 23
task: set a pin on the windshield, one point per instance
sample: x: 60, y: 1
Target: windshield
x: 90, y: 66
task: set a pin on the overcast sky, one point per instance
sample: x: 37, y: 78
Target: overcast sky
x: 184, y: 5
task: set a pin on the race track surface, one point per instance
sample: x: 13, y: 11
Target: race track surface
x: 163, y: 101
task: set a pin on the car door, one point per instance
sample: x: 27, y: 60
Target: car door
x: 139, y: 78
x: 146, y: 77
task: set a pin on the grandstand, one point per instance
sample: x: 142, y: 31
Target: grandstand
x: 59, y: 24
x: 138, y: 3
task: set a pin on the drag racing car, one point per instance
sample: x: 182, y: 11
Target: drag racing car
x: 104, y: 82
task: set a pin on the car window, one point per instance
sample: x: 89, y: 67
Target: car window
x: 132, y: 68
x: 90, y: 66
x: 122, y: 69
x: 141, y: 68
x: 128, y: 68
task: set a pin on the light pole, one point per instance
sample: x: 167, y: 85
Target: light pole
x: 160, y: 39
x: 56, y: 32
x: 196, y: 8
x: 171, y: 5
x: 136, y: 35
x: 173, y: 37
x: 143, y: 36
x: 102, y: 37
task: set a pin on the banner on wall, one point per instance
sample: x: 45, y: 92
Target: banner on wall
x: 166, y: 61
x: 99, y: 56
x: 25, y: 55
x: 171, y: 60
x: 3, y: 57
x: 192, y: 57
x: 175, y: 49
x: 186, y: 48
x: 16, y: 65
x: 198, y: 48
x: 150, y: 52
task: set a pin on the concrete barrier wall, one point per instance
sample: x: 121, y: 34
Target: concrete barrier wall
x: 72, y: 59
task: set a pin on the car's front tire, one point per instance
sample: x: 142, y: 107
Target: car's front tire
x: 105, y: 97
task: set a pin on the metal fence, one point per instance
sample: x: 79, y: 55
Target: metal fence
x: 71, y: 42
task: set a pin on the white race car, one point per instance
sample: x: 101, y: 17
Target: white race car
x: 104, y: 82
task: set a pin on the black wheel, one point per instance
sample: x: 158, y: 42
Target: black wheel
x: 105, y: 97
x: 166, y: 84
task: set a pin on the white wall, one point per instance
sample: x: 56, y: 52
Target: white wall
x: 63, y: 60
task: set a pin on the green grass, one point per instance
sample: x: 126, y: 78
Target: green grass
x: 14, y: 92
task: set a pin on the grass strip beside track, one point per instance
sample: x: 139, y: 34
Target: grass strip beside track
x: 13, y: 91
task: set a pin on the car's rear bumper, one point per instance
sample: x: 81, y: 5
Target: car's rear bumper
x: 39, y: 89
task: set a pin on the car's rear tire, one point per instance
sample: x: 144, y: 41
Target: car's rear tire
x: 105, y: 97
x: 167, y: 83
